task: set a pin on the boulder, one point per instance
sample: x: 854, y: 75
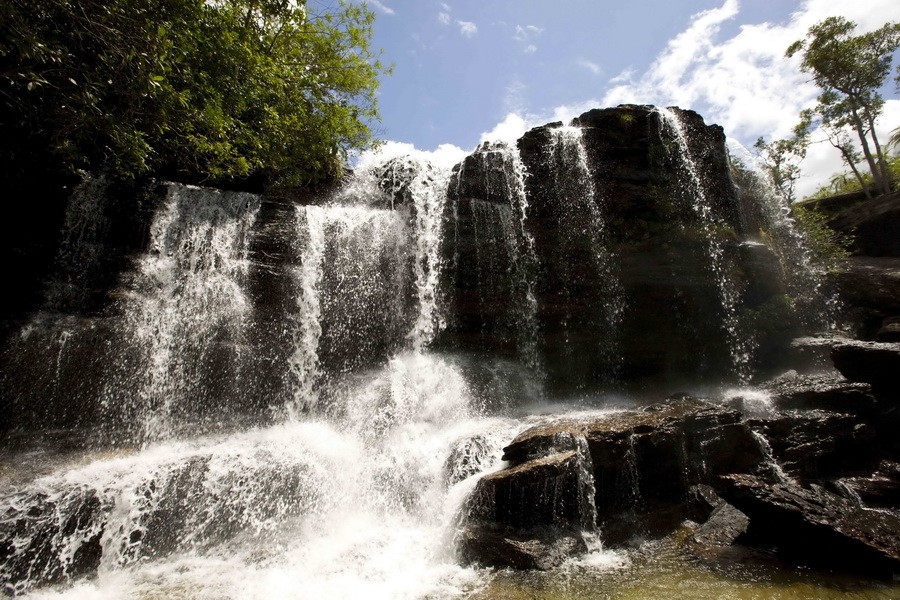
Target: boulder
x: 643, y: 463
x: 814, y: 526
x: 814, y: 445
x: 724, y: 526
x: 542, y: 550
x: 875, y: 363
x: 540, y: 492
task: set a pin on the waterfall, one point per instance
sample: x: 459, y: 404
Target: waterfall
x: 492, y: 181
x: 428, y: 190
x: 351, y: 289
x: 739, y: 342
x: 582, y: 218
x: 766, y: 449
x: 304, y: 362
x: 804, y: 276
x: 187, y: 309
x: 587, y: 506
x: 361, y: 502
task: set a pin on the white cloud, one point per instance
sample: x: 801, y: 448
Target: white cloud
x: 590, y: 66
x: 444, y: 18
x: 744, y: 82
x: 467, y: 28
x: 523, y: 34
x: 445, y: 6
x: 526, y: 34
x: 624, y: 77
x: 511, y: 128
x: 381, y: 6
x: 444, y: 156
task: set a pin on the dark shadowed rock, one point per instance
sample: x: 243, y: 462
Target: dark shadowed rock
x: 541, y: 550
x: 872, y: 283
x: 814, y: 445
x: 890, y: 330
x: 815, y: 526
x: 873, y: 225
x: 875, y: 363
x: 539, y: 492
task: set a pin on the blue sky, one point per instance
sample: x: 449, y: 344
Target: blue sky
x: 469, y: 70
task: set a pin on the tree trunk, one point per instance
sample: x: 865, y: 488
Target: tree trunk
x: 882, y: 163
x: 848, y: 158
x: 860, y: 127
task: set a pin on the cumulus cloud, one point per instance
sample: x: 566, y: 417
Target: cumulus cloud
x: 444, y: 18
x: 467, y: 28
x: 530, y: 49
x: 744, y: 82
x: 445, y: 155
x: 381, y: 6
x: 511, y: 128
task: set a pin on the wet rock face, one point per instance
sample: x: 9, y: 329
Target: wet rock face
x: 622, y: 283
x: 825, y: 392
x: 643, y: 465
x: 815, y: 525
x: 504, y: 548
x: 397, y: 177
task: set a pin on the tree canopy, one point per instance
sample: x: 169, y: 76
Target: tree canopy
x: 201, y: 90
x: 850, y: 70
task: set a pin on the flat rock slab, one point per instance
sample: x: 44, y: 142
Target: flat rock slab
x: 815, y: 526
x: 827, y: 392
x: 502, y: 548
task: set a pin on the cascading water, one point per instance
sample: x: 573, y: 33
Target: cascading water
x: 740, y: 343
x: 504, y: 248
x: 187, y: 310
x: 354, y: 483
x: 428, y: 190
x: 352, y: 285
x: 582, y: 218
x: 805, y: 277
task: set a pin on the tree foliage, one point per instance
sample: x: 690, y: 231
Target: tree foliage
x: 202, y: 90
x: 781, y: 159
x: 850, y: 70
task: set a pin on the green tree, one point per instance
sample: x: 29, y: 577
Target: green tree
x: 781, y: 159
x: 201, y: 90
x: 850, y: 69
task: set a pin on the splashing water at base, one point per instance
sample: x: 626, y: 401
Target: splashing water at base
x: 356, y: 505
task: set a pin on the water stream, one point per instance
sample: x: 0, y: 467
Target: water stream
x: 740, y: 342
